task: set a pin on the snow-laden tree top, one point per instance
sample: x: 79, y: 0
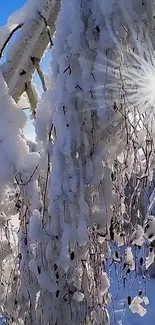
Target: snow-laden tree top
x: 84, y: 191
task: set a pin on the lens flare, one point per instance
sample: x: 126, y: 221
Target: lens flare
x: 126, y: 74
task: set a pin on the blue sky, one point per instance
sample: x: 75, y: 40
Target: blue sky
x: 7, y: 7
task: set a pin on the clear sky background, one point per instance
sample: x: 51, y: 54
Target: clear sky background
x: 7, y: 8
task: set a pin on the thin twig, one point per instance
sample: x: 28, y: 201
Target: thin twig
x: 30, y: 178
x: 9, y: 37
x: 47, y: 28
x: 35, y: 61
x: 47, y: 176
x: 25, y: 108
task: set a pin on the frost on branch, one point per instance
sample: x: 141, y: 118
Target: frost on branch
x: 80, y: 195
x: 150, y: 228
x: 105, y: 284
x: 18, y: 186
x: 129, y: 258
x: 78, y: 296
x: 149, y: 259
x: 43, y: 277
x: 95, y: 170
x: 35, y: 226
x: 137, y: 238
x: 12, y: 144
x: 136, y: 306
x: 14, y: 149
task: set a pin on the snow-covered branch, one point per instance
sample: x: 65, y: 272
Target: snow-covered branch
x: 31, y: 42
x: 78, y: 190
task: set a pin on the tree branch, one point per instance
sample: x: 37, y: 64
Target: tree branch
x: 33, y: 42
x: 32, y: 95
x: 9, y: 37
x: 36, y: 63
x: 47, y: 28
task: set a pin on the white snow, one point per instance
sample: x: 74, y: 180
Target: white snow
x: 104, y: 283
x: 136, y: 306
x: 129, y: 258
x: 78, y: 296
x: 43, y: 277
x: 137, y: 238
x: 35, y: 226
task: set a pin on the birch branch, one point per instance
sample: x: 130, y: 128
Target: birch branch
x: 31, y: 42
